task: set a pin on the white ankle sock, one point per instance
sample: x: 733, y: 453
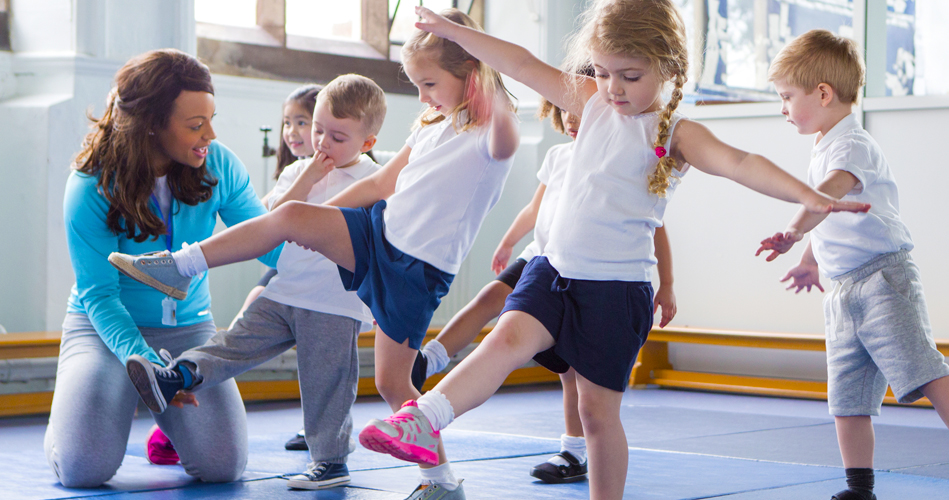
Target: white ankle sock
x: 437, y: 409
x: 190, y: 260
x: 437, y: 357
x: 577, y: 446
x: 440, y: 475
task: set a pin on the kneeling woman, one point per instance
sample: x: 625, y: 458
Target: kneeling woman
x: 149, y: 178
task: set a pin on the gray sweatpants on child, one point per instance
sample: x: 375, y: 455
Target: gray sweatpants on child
x: 327, y: 366
x: 94, y: 404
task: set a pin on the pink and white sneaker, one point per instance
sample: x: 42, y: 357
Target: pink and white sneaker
x: 158, y: 448
x: 407, y: 435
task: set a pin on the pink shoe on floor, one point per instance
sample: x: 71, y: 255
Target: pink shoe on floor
x: 158, y: 448
x: 406, y: 435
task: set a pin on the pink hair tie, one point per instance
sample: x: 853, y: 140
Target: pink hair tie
x: 660, y: 151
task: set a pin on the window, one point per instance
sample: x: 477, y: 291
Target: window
x: 916, y: 42
x: 741, y: 37
x: 312, y: 40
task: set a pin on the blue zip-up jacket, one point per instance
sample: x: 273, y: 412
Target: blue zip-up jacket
x: 117, y: 305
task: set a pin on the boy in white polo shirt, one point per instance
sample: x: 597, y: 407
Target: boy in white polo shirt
x: 305, y: 304
x: 875, y: 317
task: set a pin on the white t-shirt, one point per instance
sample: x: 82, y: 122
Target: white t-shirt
x: 444, y: 193
x: 606, y: 217
x: 551, y: 174
x: 307, y: 279
x: 845, y: 241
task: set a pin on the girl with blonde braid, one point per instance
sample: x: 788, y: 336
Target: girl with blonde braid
x: 589, y: 295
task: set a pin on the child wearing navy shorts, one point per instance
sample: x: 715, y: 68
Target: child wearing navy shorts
x: 399, y: 235
x: 589, y: 295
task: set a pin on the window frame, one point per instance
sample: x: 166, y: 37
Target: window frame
x: 267, y: 51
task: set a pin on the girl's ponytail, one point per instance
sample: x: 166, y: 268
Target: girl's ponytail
x: 659, y: 180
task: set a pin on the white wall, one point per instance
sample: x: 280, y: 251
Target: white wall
x: 715, y: 225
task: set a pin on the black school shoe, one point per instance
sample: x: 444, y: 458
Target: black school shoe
x: 552, y: 473
x: 851, y: 495
x: 297, y: 443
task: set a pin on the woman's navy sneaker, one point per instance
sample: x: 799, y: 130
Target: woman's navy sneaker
x: 320, y: 475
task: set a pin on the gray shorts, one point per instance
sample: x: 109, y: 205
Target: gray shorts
x: 878, y: 332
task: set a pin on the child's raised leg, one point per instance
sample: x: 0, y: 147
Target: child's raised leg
x: 409, y: 433
x: 517, y: 337
x: 319, y: 228
x: 393, y: 366
x: 607, y: 448
x: 463, y: 327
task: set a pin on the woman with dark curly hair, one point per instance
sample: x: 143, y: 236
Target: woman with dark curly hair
x: 149, y: 178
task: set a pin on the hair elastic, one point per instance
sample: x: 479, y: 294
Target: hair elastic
x: 660, y: 151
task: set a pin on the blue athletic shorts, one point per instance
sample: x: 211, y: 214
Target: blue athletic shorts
x: 512, y: 273
x: 598, y: 326
x: 401, y: 291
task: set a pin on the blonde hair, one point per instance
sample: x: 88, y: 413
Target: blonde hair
x: 482, y: 82
x: 651, y: 29
x: 356, y: 97
x: 820, y: 56
x: 550, y: 109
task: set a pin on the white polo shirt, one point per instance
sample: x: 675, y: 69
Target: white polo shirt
x: 551, y: 174
x: 606, y: 217
x: 845, y: 241
x: 444, y: 193
x: 306, y: 279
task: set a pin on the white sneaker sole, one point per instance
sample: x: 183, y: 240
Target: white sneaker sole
x: 319, y: 485
x: 127, y: 268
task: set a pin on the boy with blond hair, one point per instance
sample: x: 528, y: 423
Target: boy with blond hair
x: 304, y: 305
x: 875, y: 317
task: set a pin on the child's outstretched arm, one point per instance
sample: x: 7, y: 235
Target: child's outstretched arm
x: 316, y: 169
x: 805, y: 274
x: 523, y: 223
x: 504, y: 137
x: 512, y: 60
x: 837, y: 184
x: 695, y: 144
x: 378, y: 186
x: 665, y: 296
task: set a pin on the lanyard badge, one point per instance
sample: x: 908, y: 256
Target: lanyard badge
x: 169, y: 306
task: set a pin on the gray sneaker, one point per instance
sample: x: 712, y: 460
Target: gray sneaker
x: 437, y: 492
x: 156, y: 269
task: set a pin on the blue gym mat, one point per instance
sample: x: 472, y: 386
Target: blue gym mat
x: 682, y: 446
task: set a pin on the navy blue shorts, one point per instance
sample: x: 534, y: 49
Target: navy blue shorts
x: 512, y: 273
x: 401, y: 291
x: 598, y: 326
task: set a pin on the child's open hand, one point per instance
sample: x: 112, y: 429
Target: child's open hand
x: 433, y: 23
x: 778, y: 244
x: 183, y: 398
x: 665, y: 300
x: 803, y: 276
x: 501, y: 257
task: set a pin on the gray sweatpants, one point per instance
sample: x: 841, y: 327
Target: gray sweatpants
x: 327, y: 366
x: 94, y: 403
